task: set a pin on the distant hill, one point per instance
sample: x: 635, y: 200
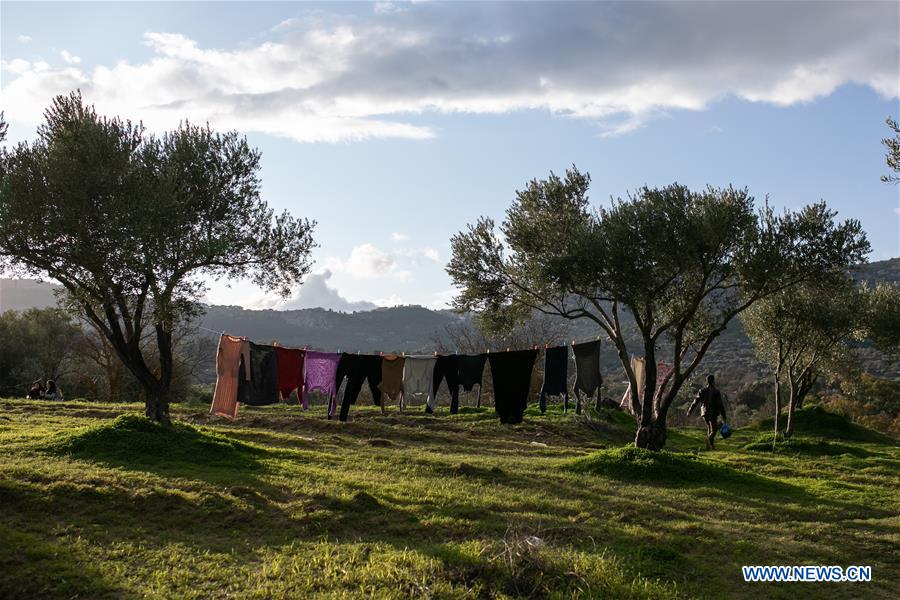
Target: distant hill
x: 883, y: 270
x: 413, y: 328
x: 22, y: 294
x: 400, y: 328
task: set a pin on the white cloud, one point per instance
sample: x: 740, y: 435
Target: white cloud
x: 330, y: 77
x: 383, y: 8
x: 315, y: 292
x: 392, y: 300
x: 897, y: 210
x: 399, y: 237
x: 368, y: 262
x: 23, y: 39
x: 431, y: 254
x: 69, y: 57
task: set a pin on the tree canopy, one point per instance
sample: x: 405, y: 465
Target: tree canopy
x: 801, y: 332
x: 893, y: 152
x: 133, y: 225
x: 683, y: 263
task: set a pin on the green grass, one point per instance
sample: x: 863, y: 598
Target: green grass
x: 97, y: 502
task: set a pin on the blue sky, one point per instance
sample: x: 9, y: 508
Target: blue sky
x: 394, y: 125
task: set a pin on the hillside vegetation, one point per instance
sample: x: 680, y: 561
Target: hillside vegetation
x: 100, y: 503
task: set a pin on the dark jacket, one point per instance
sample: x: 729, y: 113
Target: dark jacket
x: 711, y: 405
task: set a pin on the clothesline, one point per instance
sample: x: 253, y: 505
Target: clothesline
x: 259, y: 374
x: 575, y: 342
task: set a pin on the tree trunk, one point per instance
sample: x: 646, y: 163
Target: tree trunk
x: 157, y: 403
x: 777, y: 401
x: 156, y: 408
x: 654, y: 436
x: 789, y: 428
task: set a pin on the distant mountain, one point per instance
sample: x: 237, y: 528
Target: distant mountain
x: 22, y: 294
x: 883, y: 270
x: 400, y: 328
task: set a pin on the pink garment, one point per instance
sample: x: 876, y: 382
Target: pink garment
x: 662, y: 371
x: 321, y: 375
x: 228, y: 366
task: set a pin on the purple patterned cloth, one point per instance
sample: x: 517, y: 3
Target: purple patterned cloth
x: 321, y: 372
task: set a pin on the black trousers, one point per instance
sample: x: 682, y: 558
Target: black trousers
x: 556, y: 373
x: 447, y: 367
x: 358, y: 368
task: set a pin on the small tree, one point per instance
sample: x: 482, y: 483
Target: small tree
x: 38, y: 343
x: 893, y: 152
x: 883, y: 317
x: 683, y: 263
x: 801, y: 332
x: 132, y: 225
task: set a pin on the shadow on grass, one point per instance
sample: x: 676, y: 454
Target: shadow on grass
x: 31, y: 567
x: 807, y: 447
x: 674, y: 469
x: 136, y: 443
x: 815, y: 421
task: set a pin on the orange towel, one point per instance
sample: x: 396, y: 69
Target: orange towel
x: 228, y: 366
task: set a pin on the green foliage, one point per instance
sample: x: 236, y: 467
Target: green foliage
x: 131, y: 224
x: 892, y: 144
x: 816, y: 421
x: 35, y: 344
x: 882, y: 314
x: 869, y: 401
x: 135, y: 441
x: 684, y: 263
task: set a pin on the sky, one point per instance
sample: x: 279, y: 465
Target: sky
x: 394, y: 124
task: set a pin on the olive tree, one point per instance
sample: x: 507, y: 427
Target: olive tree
x: 134, y: 224
x: 683, y: 263
x: 801, y: 332
x: 882, y: 325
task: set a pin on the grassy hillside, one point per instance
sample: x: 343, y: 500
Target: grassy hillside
x: 96, y: 502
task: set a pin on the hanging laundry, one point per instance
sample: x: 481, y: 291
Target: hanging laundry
x: 447, y: 367
x: 418, y: 380
x: 290, y: 370
x: 231, y: 356
x: 321, y: 375
x: 391, y: 377
x: 511, y: 372
x: 471, y: 370
x: 261, y: 388
x: 357, y: 368
x: 638, y: 368
x: 556, y: 374
x: 587, y: 370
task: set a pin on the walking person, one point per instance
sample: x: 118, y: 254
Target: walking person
x: 711, y: 406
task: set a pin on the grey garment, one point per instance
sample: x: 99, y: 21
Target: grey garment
x: 418, y: 379
x: 587, y: 367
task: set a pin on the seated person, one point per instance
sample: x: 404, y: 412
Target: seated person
x: 53, y: 392
x: 37, y: 391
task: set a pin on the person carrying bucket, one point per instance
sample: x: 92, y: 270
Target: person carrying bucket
x: 711, y: 406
